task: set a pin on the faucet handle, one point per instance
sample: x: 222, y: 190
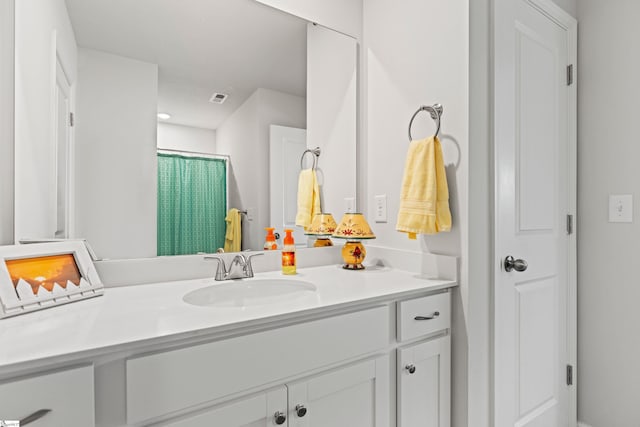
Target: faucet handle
x: 248, y: 267
x: 221, y: 269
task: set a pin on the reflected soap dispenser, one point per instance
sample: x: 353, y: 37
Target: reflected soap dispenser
x: 270, y: 241
x: 288, y: 254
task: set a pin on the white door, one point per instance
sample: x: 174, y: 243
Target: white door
x: 63, y: 153
x: 286, y: 146
x: 261, y: 410
x: 535, y: 190
x: 355, y: 396
x: 424, y: 384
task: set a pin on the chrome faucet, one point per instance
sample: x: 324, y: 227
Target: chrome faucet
x: 240, y: 267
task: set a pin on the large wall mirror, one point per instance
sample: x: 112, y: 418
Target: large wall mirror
x: 239, y: 82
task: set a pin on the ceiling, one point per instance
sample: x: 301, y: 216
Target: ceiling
x: 201, y: 47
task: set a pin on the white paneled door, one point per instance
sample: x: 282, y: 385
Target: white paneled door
x: 535, y: 191
x: 286, y: 146
x: 63, y: 155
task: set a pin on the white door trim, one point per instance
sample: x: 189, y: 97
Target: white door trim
x: 7, y: 152
x: 569, y: 24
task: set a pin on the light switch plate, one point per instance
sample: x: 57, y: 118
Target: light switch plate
x: 349, y: 204
x: 381, y: 208
x: 251, y: 213
x: 620, y: 208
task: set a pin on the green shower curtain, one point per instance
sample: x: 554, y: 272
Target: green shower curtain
x: 192, y: 204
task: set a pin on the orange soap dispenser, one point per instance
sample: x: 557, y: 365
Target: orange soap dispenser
x: 288, y: 254
x: 270, y: 241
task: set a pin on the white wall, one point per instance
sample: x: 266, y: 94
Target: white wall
x: 608, y: 153
x: 332, y: 113
x: 186, y: 138
x: 6, y: 120
x: 43, y: 30
x: 341, y: 15
x: 116, y: 166
x: 245, y: 137
x: 416, y: 52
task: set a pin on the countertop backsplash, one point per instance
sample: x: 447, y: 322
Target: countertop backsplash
x: 127, y: 272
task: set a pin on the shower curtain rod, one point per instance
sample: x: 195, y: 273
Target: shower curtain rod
x: 194, y: 153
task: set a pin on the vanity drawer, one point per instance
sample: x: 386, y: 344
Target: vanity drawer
x: 68, y: 395
x: 163, y: 383
x: 423, y: 316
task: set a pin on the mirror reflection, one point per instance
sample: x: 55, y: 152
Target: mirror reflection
x: 151, y: 127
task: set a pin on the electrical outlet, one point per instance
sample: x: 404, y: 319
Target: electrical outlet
x: 381, y: 208
x: 620, y: 208
x: 349, y: 204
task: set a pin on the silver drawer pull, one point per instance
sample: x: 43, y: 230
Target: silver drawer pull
x: 34, y: 417
x: 433, y: 316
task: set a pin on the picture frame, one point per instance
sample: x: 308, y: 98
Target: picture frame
x: 43, y: 275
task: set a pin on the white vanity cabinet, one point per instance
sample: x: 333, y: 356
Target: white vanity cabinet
x: 260, y: 410
x: 424, y: 395
x: 424, y: 368
x: 354, y: 396
x: 171, y: 381
x: 331, y: 366
x: 57, y: 399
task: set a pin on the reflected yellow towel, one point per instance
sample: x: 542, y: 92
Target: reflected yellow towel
x: 424, y: 197
x: 233, y: 236
x: 308, y: 197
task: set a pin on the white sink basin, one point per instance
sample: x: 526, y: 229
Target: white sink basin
x: 251, y: 293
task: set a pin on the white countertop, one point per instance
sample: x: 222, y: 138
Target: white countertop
x: 131, y: 316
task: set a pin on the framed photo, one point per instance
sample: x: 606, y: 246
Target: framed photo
x: 41, y: 275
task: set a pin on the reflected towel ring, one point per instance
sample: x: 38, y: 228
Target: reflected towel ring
x: 436, y: 112
x: 316, y: 154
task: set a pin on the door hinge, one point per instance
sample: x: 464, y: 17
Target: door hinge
x: 569, y: 75
x: 71, y: 121
x: 569, y: 375
x: 569, y: 224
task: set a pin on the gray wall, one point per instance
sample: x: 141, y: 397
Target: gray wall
x: 116, y: 125
x: 404, y: 67
x: 570, y: 6
x: 608, y: 153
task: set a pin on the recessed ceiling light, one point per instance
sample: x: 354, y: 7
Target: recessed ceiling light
x: 164, y: 116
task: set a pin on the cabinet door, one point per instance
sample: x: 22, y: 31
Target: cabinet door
x: 67, y: 395
x: 355, y: 396
x: 254, y: 411
x: 424, y: 384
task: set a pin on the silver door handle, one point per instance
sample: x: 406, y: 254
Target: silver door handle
x: 511, y: 264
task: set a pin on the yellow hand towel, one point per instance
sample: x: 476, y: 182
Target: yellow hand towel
x: 308, y: 197
x: 424, y: 197
x: 233, y: 236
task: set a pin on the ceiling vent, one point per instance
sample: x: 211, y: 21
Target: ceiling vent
x: 218, y: 98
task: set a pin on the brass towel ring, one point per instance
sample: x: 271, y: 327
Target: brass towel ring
x: 436, y: 112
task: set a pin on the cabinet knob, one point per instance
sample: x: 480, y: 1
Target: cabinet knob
x: 279, y: 418
x: 301, y: 411
x: 411, y: 368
